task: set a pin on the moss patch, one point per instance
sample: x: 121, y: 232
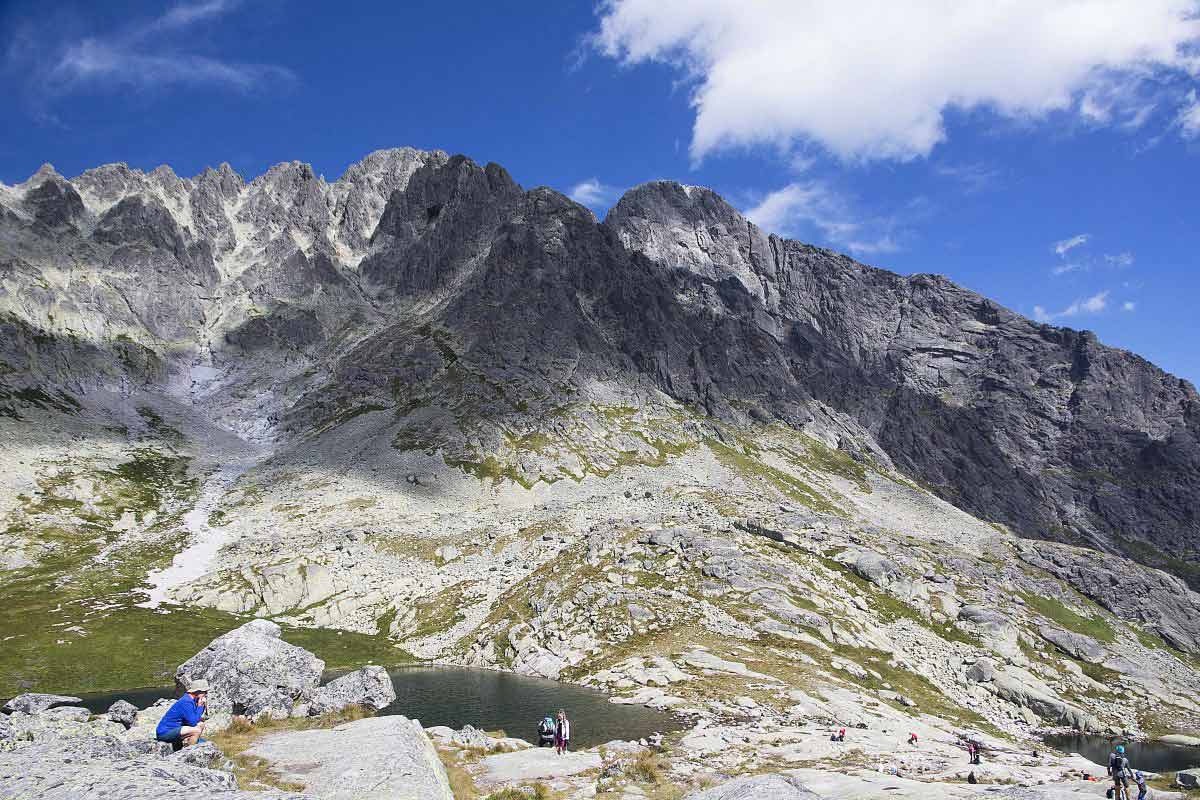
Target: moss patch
x: 1054, y: 609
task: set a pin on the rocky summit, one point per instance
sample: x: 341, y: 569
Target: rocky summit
x: 421, y: 412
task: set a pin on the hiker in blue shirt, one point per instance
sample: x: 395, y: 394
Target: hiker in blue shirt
x: 181, y: 726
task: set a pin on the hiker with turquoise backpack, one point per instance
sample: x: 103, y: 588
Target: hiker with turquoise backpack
x: 1119, y: 769
x: 546, y: 732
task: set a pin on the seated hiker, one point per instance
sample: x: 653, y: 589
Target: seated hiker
x: 182, y: 725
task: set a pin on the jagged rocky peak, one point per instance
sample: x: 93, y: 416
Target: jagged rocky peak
x: 443, y: 219
x: 694, y: 228
x: 50, y: 199
x: 362, y: 192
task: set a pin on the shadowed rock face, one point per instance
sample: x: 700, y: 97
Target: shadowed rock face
x: 421, y: 281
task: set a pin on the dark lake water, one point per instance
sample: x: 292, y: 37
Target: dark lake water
x: 1148, y: 756
x: 454, y: 697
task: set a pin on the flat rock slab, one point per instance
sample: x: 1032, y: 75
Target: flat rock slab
x: 109, y: 769
x: 878, y: 786
x: 1179, y: 738
x: 538, y: 763
x: 379, y: 758
x: 754, y: 787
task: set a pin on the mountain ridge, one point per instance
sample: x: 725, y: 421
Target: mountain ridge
x: 673, y: 294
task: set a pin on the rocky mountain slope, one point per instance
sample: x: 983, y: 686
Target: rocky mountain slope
x: 419, y: 281
x: 666, y: 454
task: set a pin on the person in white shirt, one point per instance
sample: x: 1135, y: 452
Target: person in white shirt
x: 562, y: 732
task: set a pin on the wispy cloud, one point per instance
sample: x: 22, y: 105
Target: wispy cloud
x: 1064, y: 269
x: 974, y: 177
x: 593, y: 194
x: 807, y: 205
x: 147, y: 53
x: 1129, y: 305
x: 1082, y: 262
x: 1119, y: 260
x: 1188, y: 118
x: 1064, y: 246
x: 1085, y: 305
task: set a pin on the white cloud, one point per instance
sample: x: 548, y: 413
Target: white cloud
x: 872, y: 79
x: 1063, y: 269
x: 806, y: 205
x: 142, y: 54
x: 593, y: 194
x: 1086, y: 305
x: 1064, y: 246
x: 1120, y: 260
x: 1129, y: 305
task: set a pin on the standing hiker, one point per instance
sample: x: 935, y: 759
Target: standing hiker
x: 1118, y: 768
x: 562, y: 732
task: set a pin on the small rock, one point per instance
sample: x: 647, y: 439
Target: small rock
x: 203, y: 754
x: 122, y: 712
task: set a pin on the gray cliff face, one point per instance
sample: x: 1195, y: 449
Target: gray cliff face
x: 442, y: 290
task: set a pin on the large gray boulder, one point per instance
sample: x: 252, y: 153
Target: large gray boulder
x: 252, y: 671
x: 370, y: 687
x: 982, y: 671
x: 1188, y: 778
x: 378, y: 758
x: 32, y: 703
x: 876, y: 568
x: 1076, y: 645
x: 985, y: 618
x: 999, y: 634
x: 757, y: 787
x: 1022, y: 689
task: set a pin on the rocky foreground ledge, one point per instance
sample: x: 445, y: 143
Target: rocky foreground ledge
x: 51, y: 748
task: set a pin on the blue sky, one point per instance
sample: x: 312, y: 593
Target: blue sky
x: 1043, y: 154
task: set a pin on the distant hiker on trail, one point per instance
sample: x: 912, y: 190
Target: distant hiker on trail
x: 182, y: 725
x: 1118, y: 768
x: 842, y: 735
x: 562, y: 733
x: 546, y: 733
x: 912, y: 739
